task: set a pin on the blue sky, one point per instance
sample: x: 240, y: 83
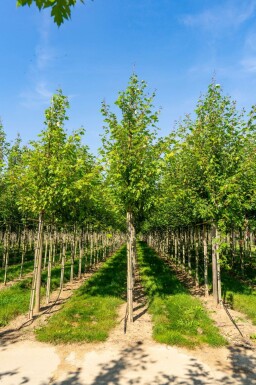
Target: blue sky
x: 175, y: 45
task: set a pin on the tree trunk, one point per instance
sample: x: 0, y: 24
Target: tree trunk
x: 206, y: 290
x: 81, y: 253
x: 214, y: 266
x: 63, y: 259
x: 130, y: 259
x: 39, y: 265
x: 23, y: 252
x: 49, y: 272
x: 218, y: 267
x: 196, y: 243
x: 216, y: 279
x: 6, y: 253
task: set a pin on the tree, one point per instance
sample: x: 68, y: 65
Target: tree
x: 205, y: 170
x: 53, y: 174
x: 60, y: 9
x: 132, y: 157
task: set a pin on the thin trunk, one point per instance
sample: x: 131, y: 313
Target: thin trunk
x: 130, y: 241
x: 184, y: 249
x: 241, y: 247
x: 46, y: 249
x: 33, y: 286
x: 196, y: 235
x: 23, y: 252
x: 6, y: 253
x: 214, y: 266
x: 206, y: 288
x: 49, y: 272
x: 73, y: 247
x: 190, y: 246
x: 39, y: 269
x: 216, y: 278
x: 81, y: 253
x: 218, y: 267
x: 63, y: 257
x: 91, y: 249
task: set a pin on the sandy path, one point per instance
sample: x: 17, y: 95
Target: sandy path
x: 128, y: 357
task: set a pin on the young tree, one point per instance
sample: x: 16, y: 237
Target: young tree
x: 50, y: 177
x: 206, y: 169
x: 132, y: 157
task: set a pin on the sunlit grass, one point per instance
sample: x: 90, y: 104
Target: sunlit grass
x: 239, y: 296
x: 178, y: 318
x: 92, y: 311
x: 14, y: 300
x: 13, y: 271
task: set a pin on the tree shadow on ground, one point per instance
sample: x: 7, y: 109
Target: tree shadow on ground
x: 243, y: 363
x: 133, y: 366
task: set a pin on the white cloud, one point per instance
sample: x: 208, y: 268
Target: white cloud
x: 45, y: 54
x: 230, y: 14
x: 44, y: 57
x: 248, y: 61
x: 249, y: 64
x: 36, y: 96
x: 37, y: 92
x: 250, y: 41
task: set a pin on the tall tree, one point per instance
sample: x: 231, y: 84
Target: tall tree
x: 205, y: 169
x: 132, y: 156
x: 50, y: 176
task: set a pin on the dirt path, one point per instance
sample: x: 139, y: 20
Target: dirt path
x: 128, y: 357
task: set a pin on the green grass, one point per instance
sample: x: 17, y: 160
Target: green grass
x: 178, y: 318
x: 240, y: 296
x: 14, y: 300
x: 13, y: 271
x: 92, y: 311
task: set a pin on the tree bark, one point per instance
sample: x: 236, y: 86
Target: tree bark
x: 206, y: 289
x: 48, y: 288
x: 6, y: 253
x: 39, y: 265
x: 216, y: 278
x: 130, y: 258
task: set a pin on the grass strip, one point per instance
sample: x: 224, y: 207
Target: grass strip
x: 14, y: 300
x: 238, y: 295
x: 13, y: 271
x: 92, y: 311
x: 178, y: 318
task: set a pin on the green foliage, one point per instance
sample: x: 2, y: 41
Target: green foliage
x: 131, y: 154
x: 204, y: 177
x: 91, y: 312
x: 9, y: 212
x: 57, y: 172
x: 60, y: 9
x: 178, y: 318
